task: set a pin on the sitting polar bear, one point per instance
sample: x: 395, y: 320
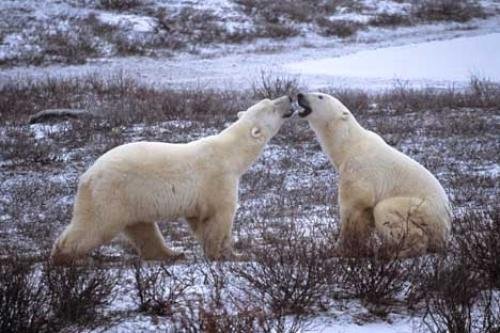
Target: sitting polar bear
x: 380, y: 188
x: 131, y: 186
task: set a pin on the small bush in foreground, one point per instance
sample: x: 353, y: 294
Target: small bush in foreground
x: 78, y: 292
x: 477, y: 240
x: 160, y: 290
x: 289, y: 275
x: 37, y: 297
x: 455, y: 301
x: 22, y: 299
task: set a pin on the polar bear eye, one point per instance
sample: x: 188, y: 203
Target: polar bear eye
x: 320, y: 97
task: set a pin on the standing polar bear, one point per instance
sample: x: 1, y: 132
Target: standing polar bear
x: 380, y: 188
x: 132, y: 186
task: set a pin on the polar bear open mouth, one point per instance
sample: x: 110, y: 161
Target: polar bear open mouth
x: 302, y: 101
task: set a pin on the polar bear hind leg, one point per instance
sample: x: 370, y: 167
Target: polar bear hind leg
x: 404, y: 224
x: 88, y: 229
x: 78, y: 239
x: 149, y: 242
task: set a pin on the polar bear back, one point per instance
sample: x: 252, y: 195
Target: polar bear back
x: 152, y: 179
x: 390, y: 172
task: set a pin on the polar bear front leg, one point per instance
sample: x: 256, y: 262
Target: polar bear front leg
x: 355, y: 230
x: 149, y: 242
x: 215, y: 233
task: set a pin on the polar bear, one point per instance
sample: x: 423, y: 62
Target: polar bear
x: 134, y: 185
x: 380, y: 188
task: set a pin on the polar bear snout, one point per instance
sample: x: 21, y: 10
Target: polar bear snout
x: 304, y: 103
x: 284, y: 104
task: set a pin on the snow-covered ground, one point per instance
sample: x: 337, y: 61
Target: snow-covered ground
x: 438, y: 55
x: 429, y: 63
x: 407, y: 53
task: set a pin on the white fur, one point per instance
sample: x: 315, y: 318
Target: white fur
x: 380, y: 188
x: 133, y: 185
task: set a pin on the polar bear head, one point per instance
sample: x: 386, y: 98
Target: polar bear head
x: 266, y: 117
x: 322, y: 108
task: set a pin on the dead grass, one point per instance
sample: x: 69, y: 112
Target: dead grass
x: 118, y: 99
x: 479, y: 94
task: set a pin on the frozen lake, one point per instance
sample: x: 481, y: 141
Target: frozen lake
x: 445, y: 61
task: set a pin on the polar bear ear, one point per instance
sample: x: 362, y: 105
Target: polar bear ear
x: 240, y: 114
x: 256, y: 132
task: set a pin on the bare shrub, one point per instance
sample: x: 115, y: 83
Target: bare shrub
x: 19, y: 146
x: 486, y: 93
x: 191, y: 26
x: 119, y: 5
x: 298, y: 11
x: 289, y: 273
x: 22, y: 299
x: 480, y: 93
x: 454, y: 301
x: 477, y: 235
x: 389, y: 19
x: 339, y: 28
x: 36, y: 297
x: 276, y: 30
x: 376, y: 281
x: 448, y: 10
x: 78, y: 292
x: 278, y: 19
x: 162, y: 291
x: 356, y: 100
x: 122, y: 100
x: 271, y: 86
x: 202, y: 26
x: 223, y: 309
x: 118, y: 99
x: 71, y: 46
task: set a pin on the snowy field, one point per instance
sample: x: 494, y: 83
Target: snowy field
x: 436, y: 63
x: 425, y: 78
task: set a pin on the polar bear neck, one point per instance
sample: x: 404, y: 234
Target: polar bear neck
x: 239, y: 150
x: 337, y: 138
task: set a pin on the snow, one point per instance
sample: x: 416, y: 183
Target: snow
x: 454, y: 60
x: 41, y: 131
x: 434, y: 54
x: 238, y: 66
x: 134, y: 22
x: 377, y: 327
x: 384, y: 6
